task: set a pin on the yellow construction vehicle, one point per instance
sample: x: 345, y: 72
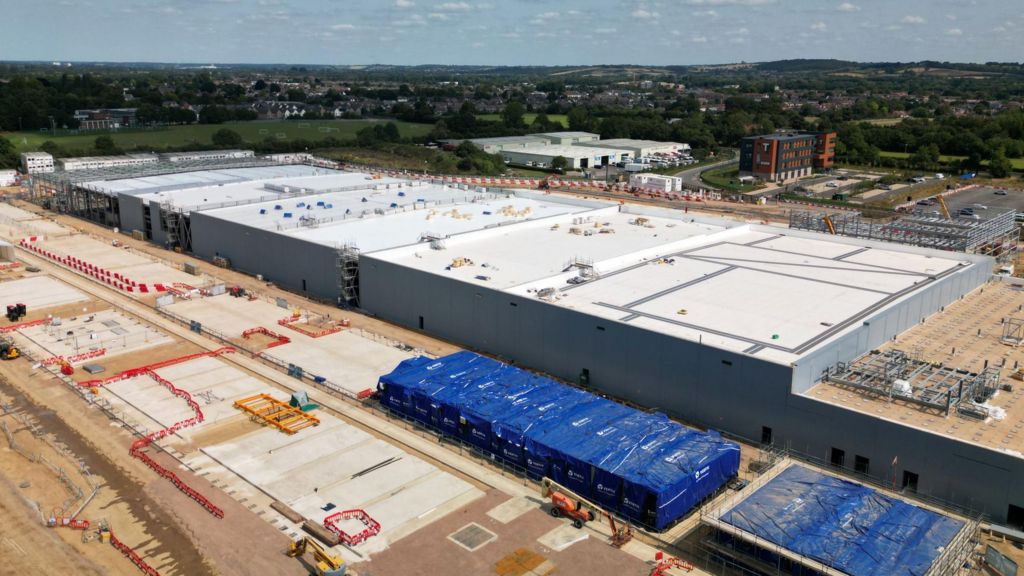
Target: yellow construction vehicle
x: 8, y: 351
x: 327, y: 564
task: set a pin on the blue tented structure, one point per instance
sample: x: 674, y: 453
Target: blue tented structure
x: 844, y: 525
x: 642, y: 466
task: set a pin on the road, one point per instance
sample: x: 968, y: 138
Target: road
x: 691, y: 177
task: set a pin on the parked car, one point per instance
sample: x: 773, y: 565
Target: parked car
x: 1000, y: 192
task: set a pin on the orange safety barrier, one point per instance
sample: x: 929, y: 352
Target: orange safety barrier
x: 280, y: 340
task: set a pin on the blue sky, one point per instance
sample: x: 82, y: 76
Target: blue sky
x: 503, y: 32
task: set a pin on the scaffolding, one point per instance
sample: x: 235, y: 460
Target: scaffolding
x: 1013, y: 331
x: 996, y: 237
x: 895, y: 375
x: 584, y: 265
x: 347, y: 268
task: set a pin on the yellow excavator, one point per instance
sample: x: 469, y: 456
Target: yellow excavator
x: 327, y: 564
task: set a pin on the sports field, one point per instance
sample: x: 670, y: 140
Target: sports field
x: 529, y: 117
x: 1018, y: 163
x: 176, y: 136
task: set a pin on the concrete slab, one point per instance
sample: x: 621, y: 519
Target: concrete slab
x: 107, y: 330
x: 119, y: 260
x: 562, y: 537
x: 345, y: 359
x: 511, y: 509
x: 39, y: 292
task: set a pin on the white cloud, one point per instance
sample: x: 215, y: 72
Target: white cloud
x: 699, y: 39
x: 954, y: 32
x: 893, y: 27
x: 708, y: 13
x: 676, y: 33
x: 454, y: 7
x: 438, y: 16
x: 848, y: 7
x: 605, y: 31
x: 510, y: 35
x: 741, y: 32
x: 999, y: 29
x: 404, y: 3
x: 343, y: 27
x: 819, y: 26
x: 951, y: 17
x: 913, y: 20
x: 642, y: 14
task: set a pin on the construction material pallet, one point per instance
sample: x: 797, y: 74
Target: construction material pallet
x: 268, y: 410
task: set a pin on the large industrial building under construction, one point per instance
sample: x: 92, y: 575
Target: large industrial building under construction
x: 781, y: 337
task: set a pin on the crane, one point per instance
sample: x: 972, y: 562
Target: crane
x: 830, y: 224
x: 327, y: 564
x: 942, y: 204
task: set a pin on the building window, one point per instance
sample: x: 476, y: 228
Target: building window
x: 837, y: 457
x: 909, y: 481
x: 727, y: 362
x: 421, y: 322
x: 766, y: 435
x: 861, y: 465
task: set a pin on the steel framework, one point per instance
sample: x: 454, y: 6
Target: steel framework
x: 995, y: 237
x: 895, y: 375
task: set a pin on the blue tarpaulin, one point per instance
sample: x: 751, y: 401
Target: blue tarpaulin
x: 844, y: 525
x: 645, y: 467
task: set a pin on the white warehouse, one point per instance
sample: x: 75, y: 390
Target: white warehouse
x: 578, y: 156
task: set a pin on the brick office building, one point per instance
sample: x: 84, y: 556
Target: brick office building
x: 786, y: 156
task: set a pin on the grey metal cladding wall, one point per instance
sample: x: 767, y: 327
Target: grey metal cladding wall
x: 965, y: 474
x: 716, y: 388
x: 280, y: 259
x: 156, y: 216
x: 130, y: 208
x: 889, y: 323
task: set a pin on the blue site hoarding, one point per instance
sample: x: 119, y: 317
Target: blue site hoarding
x: 844, y: 525
x: 643, y: 466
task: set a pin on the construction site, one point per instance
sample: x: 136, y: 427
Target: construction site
x: 159, y: 403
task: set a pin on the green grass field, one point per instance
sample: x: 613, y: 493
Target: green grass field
x: 727, y: 178
x: 177, y: 136
x: 1018, y: 163
x: 529, y: 117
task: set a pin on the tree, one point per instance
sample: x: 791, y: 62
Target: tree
x: 260, y: 84
x: 512, y: 115
x: 226, y: 138
x: 579, y: 119
x: 926, y: 157
x: 8, y: 155
x: 52, y: 148
x: 105, y: 145
x: 560, y: 163
x: 999, y: 166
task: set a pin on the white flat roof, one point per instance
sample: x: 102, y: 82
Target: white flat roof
x: 770, y: 292
x: 575, y: 151
x: 205, y: 178
x: 393, y: 213
x: 631, y: 143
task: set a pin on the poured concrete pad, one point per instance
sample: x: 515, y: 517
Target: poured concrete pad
x: 345, y: 359
x: 511, y: 509
x: 562, y: 537
x: 38, y: 292
x: 107, y: 329
x: 339, y: 464
x: 137, y: 267
x: 212, y: 383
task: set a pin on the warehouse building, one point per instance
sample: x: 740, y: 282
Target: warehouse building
x: 313, y: 243
x: 642, y: 148
x: 569, y: 138
x: 728, y: 325
x: 502, y: 143
x: 577, y: 157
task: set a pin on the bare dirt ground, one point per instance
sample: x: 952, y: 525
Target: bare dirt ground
x: 174, y: 534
